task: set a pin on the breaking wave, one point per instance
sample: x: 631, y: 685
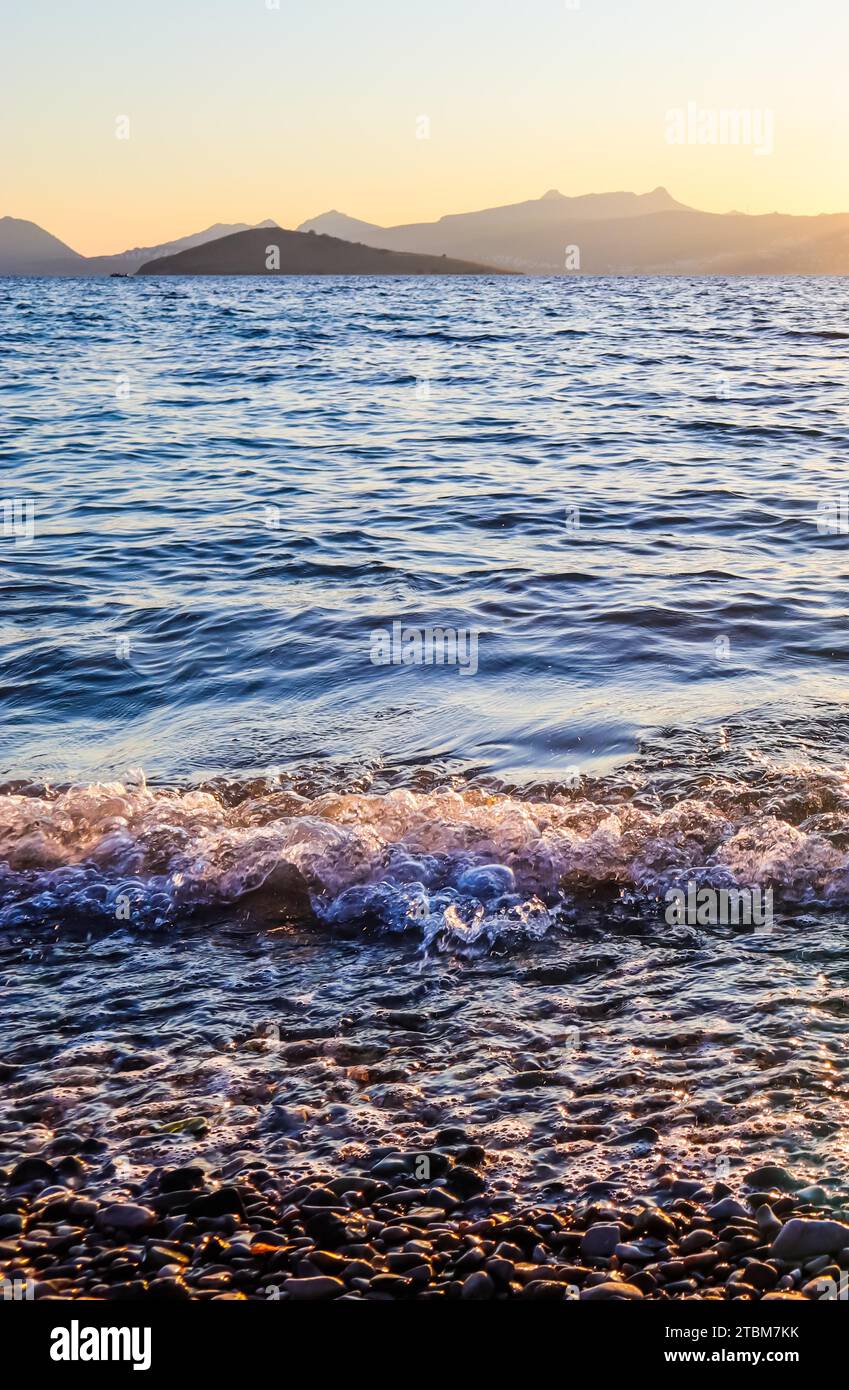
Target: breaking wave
x: 461, y: 865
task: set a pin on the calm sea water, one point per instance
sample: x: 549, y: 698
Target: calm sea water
x: 226, y: 829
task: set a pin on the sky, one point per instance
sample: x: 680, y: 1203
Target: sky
x: 238, y: 110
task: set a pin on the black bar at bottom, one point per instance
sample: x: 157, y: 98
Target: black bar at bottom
x: 679, y: 1337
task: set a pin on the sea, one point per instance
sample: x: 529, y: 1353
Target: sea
x: 379, y: 658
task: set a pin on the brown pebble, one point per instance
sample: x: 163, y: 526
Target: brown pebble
x: 311, y: 1290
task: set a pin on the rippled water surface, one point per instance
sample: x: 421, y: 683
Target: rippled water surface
x: 317, y: 906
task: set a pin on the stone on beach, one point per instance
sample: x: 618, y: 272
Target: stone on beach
x: 32, y: 1170
x: 767, y: 1221
x: 802, y: 1238
x: 478, y: 1285
x: 611, y: 1289
x: 126, y: 1216
x: 726, y: 1209
x: 601, y: 1240
x: 311, y: 1290
x: 770, y: 1175
x: 181, y: 1179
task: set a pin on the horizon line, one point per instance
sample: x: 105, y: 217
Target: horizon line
x: 390, y: 226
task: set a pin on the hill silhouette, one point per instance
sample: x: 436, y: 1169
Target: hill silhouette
x: 26, y: 249
x: 303, y: 253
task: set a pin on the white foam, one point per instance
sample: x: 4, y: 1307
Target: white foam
x: 404, y: 859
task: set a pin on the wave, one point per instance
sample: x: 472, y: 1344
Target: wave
x: 463, y: 866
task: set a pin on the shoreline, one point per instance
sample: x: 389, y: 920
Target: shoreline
x: 415, y: 1227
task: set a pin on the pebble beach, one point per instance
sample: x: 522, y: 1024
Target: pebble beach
x: 248, y: 1233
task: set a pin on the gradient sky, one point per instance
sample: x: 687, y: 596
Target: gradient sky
x: 240, y: 112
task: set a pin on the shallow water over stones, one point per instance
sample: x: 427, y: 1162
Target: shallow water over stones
x: 600, y: 1055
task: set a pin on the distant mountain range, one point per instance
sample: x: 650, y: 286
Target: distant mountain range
x: 26, y: 249
x: 596, y: 234
x: 525, y: 236
x: 617, y: 234
x: 280, y: 252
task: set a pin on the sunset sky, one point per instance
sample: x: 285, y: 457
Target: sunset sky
x: 239, y: 111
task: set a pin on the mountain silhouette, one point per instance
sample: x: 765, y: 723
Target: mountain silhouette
x: 280, y: 252
x: 529, y: 232
x: 26, y: 249
x: 616, y: 234
x: 593, y: 234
